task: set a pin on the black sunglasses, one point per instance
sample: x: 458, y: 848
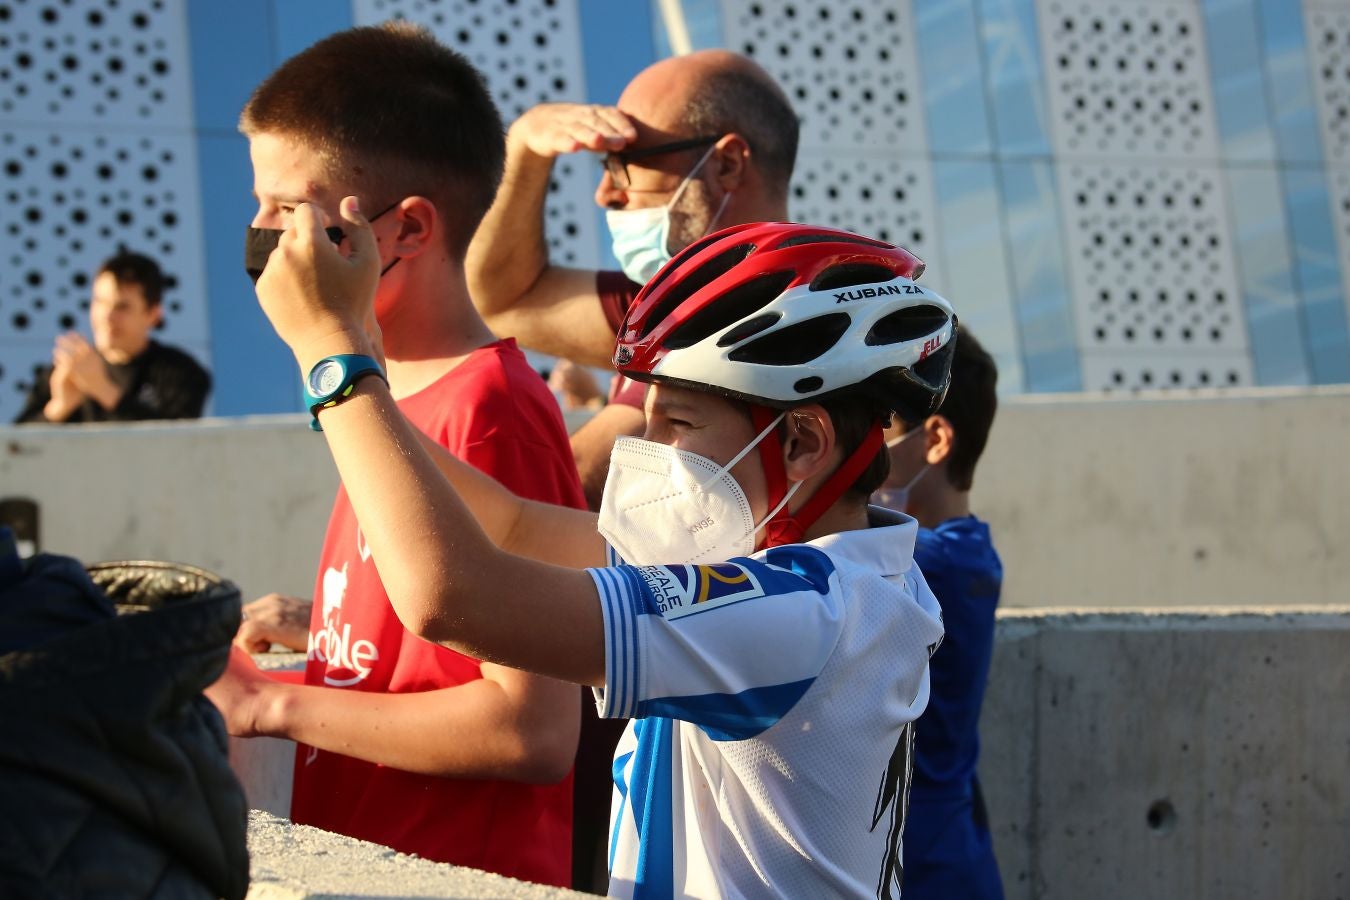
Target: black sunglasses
x: 616, y: 164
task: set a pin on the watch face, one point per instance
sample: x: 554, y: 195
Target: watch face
x: 325, y: 378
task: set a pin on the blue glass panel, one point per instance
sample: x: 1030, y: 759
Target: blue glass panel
x: 253, y: 372
x: 702, y: 21
x: 300, y: 23
x: 1012, y: 62
x: 616, y: 44
x: 1261, y: 250
x: 1287, y: 73
x: 1040, y: 292
x: 231, y: 47
x: 976, y: 275
x: 949, y: 67
x: 1318, y: 274
x: 1234, y: 46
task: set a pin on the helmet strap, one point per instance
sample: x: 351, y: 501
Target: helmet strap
x: 788, y: 528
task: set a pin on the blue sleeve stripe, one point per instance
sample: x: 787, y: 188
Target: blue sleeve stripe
x: 638, y: 601
x: 731, y: 717
x: 623, y: 600
x: 617, y: 660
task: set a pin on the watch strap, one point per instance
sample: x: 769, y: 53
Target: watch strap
x: 355, y: 366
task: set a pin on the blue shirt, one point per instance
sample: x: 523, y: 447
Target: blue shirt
x: 964, y: 572
x: 948, y: 850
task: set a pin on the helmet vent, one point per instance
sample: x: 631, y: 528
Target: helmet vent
x: 795, y: 345
x: 679, y: 259
x: 747, y: 328
x: 850, y: 274
x: 809, y: 385
x: 695, y: 281
x: 905, y: 325
x: 736, y: 304
x: 834, y: 238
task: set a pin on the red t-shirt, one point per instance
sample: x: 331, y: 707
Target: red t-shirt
x: 494, y: 412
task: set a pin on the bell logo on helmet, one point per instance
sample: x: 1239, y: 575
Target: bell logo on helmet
x: 933, y: 343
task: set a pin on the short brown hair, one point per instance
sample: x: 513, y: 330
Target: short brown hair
x: 134, y: 268
x: 748, y: 102
x: 397, y: 113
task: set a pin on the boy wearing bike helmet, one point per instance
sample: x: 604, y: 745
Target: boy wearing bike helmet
x: 768, y: 632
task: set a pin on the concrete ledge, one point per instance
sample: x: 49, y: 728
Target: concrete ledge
x: 1170, y: 754
x: 294, y: 862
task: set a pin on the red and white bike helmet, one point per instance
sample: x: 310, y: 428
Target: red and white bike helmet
x: 779, y: 315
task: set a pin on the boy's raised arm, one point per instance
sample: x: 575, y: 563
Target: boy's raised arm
x: 446, y: 578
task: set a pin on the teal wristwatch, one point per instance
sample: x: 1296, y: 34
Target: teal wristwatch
x: 332, y: 378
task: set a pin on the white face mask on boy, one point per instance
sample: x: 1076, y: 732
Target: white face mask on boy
x: 897, y: 498
x: 641, y: 237
x: 663, y: 505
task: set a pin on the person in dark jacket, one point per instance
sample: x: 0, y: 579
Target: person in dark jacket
x: 115, y: 769
x: 123, y: 375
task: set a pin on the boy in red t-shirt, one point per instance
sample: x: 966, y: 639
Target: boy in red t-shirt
x: 401, y: 741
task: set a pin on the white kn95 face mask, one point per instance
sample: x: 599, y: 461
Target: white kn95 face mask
x: 664, y: 505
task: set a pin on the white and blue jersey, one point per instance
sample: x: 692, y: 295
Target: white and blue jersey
x: 772, y: 698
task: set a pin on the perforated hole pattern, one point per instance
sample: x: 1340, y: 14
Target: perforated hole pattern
x: 111, y: 62
x: 1152, y: 276
x: 1328, y: 31
x: 1127, y: 79
x: 849, y: 71
x: 96, y: 152
x: 846, y: 67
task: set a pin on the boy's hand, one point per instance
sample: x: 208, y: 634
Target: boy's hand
x: 318, y: 301
x: 241, y: 695
x: 275, y: 619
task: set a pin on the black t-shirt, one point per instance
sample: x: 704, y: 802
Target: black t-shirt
x: 161, y: 383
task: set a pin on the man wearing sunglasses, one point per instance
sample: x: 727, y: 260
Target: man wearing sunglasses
x: 694, y: 144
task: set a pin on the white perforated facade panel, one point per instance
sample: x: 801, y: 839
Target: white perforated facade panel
x: 1127, y: 79
x: 1152, y: 276
x: 1328, y: 34
x: 851, y: 74
x: 97, y: 61
x: 97, y: 153
x: 530, y: 53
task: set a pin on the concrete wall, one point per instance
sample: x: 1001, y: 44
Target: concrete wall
x: 1161, y: 754
x: 246, y: 498
x: 1229, y: 498
x: 1170, y: 754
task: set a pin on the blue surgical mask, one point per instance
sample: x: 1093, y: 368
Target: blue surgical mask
x: 641, y: 237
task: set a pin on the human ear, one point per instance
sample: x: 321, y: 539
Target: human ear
x: 417, y: 220
x: 731, y: 161
x: 808, y: 448
x: 940, y: 438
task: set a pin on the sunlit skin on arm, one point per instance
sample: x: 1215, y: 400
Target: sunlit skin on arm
x: 444, y: 575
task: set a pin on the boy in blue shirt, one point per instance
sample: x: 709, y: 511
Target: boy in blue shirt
x: 948, y: 852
